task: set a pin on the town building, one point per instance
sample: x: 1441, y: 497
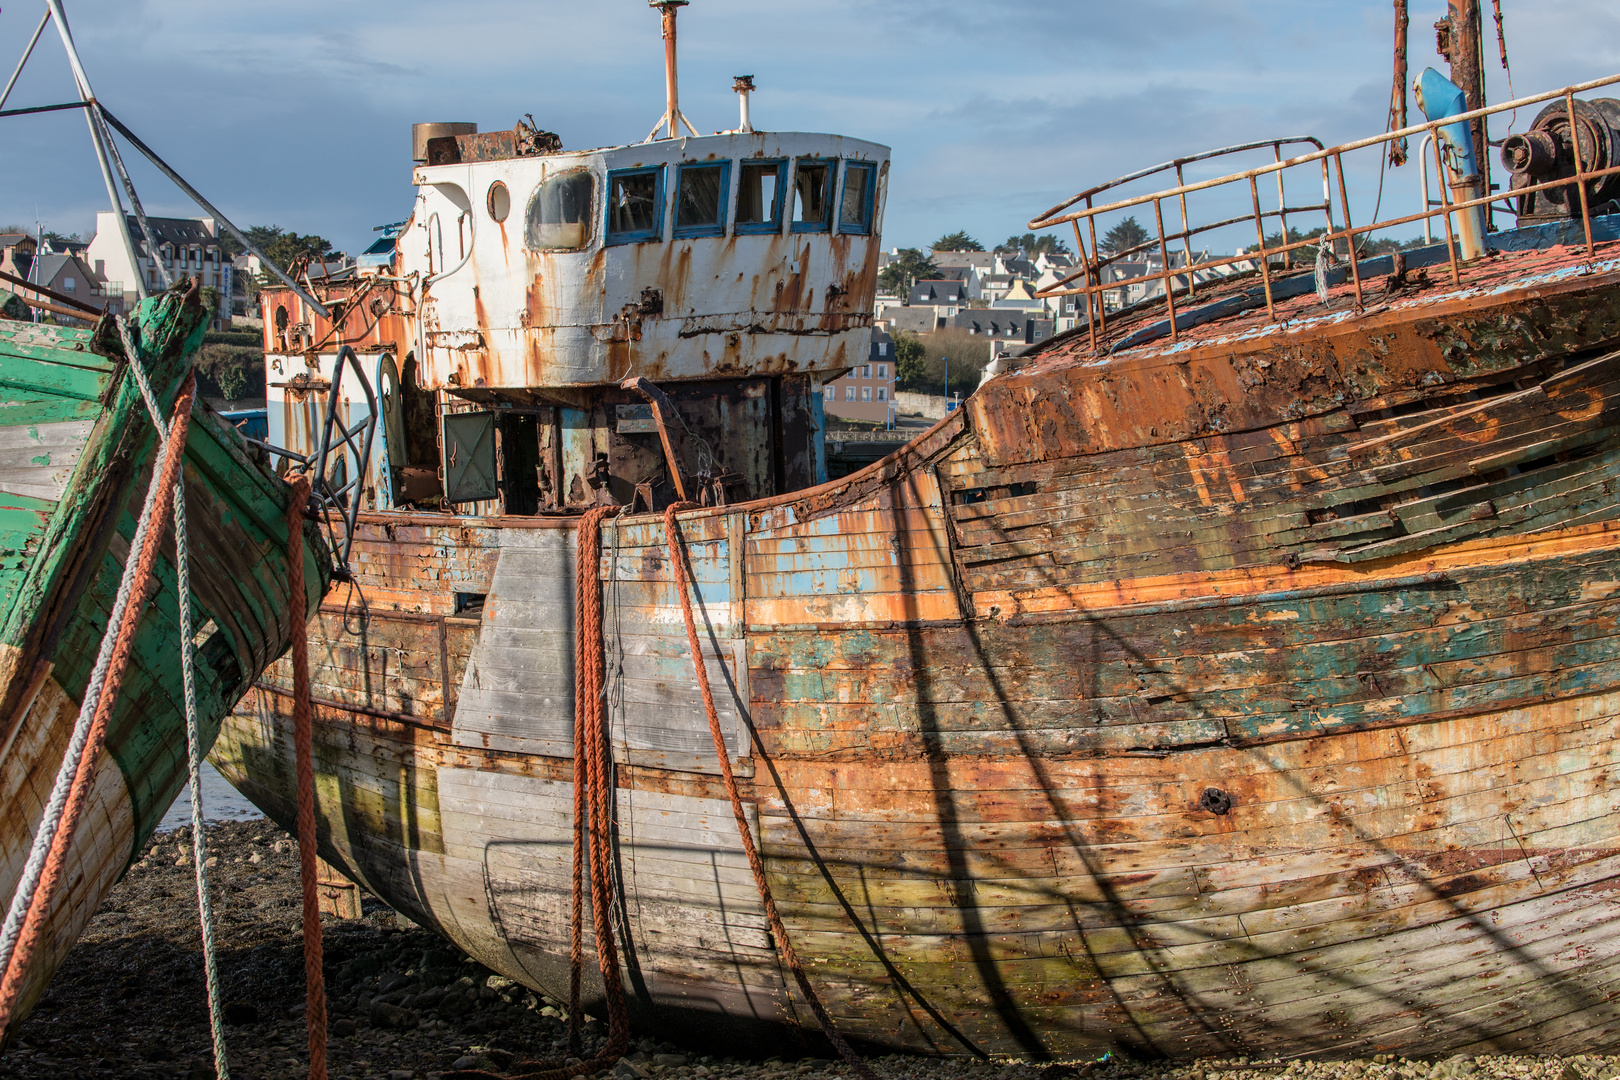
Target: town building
x: 17, y: 251
x: 1005, y: 324
x: 187, y: 247
x: 866, y: 391
x: 71, y: 276
x: 61, y: 272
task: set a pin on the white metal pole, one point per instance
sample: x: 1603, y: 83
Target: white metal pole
x: 87, y: 95
x: 38, y: 30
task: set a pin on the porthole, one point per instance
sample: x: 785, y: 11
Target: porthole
x: 500, y: 201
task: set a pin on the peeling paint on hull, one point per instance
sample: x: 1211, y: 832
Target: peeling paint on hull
x: 1168, y: 701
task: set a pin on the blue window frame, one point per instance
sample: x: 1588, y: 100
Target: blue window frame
x: 702, y: 190
x: 761, y: 185
x: 635, y: 205
x: 855, y: 207
x: 813, y: 183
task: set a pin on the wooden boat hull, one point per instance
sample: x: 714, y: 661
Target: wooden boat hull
x: 1259, y: 695
x: 77, y: 457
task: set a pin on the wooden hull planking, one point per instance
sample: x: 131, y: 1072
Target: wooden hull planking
x: 1255, y: 694
x: 82, y: 497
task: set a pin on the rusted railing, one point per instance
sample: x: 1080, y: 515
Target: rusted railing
x: 1343, y: 232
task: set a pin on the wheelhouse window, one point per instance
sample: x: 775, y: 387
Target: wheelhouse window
x: 635, y: 205
x: 559, y: 216
x: 700, y: 199
x: 855, y: 213
x: 759, y: 196
x: 812, y: 195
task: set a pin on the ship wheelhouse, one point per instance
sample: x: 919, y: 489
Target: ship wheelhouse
x: 732, y: 274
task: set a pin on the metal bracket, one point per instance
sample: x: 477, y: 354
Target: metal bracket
x: 344, y: 499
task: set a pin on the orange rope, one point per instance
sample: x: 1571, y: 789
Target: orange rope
x: 594, y: 791
x: 314, y: 978
x: 34, y: 923
x: 677, y: 561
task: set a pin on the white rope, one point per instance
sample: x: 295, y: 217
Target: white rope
x: 199, y: 845
x: 35, y: 867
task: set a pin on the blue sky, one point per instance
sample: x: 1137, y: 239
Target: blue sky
x: 298, y: 113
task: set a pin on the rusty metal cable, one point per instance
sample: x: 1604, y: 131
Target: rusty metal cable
x: 594, y: 798
x: 303, y: 747
x: 1501, y: 50
x: 61, y: 838
x: 1397, y: 94
x: 790, y: 957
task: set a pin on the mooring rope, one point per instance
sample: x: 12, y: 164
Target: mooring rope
x: 594, y: 798
x: 24, y: 927
x: 303, y: 745
x: 194, y: 751
x: 790, y: 956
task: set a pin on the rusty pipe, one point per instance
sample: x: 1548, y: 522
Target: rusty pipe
x: 672, y: 98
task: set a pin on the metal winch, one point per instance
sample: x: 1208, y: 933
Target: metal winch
x: 1547, y: 152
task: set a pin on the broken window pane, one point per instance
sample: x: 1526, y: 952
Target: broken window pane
x: 759, y: 196
x: 560, y: 211
x: 810, y: 195
x: 633, y: 199
x: 700, y: 203
x: 855, y: 214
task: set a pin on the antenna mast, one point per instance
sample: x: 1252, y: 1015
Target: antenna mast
x: 673, y: 117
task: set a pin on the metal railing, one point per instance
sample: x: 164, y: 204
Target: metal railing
x: 1342, y: 231
x: 340, y: 498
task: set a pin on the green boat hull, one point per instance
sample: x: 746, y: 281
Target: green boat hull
x: 76, y: 457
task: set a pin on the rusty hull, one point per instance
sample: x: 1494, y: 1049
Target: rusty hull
x: 1258, y: 693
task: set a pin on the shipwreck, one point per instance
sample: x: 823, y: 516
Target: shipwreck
x: 1237, y: 673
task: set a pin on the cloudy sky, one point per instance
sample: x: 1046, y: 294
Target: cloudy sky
x: 298, y: 112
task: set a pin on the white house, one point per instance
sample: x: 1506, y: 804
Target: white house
x: 187, y: 247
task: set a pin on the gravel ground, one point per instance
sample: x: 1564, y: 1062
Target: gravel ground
x: 404, y: 1005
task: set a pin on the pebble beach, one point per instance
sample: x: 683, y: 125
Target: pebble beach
x: 406, y: 1005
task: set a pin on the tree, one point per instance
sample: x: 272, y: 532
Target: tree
x: 910, y: 359
x: 924, y: 371
x: 279, y: 245
x: 909, y: 266
x: 1124, y: 236
x: 957, y: 241
x: 1031, y: 245
x: 56, y: 239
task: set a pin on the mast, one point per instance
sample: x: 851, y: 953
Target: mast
x: 673, y: 118
x: 1458, y: 40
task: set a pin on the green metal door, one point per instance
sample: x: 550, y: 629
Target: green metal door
x: 469, y: 457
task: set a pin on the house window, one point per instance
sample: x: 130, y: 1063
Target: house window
x: 866, y: 371
x: 559, y: 215
x: 700, y: 199
x: 69, y: 285
x: 759, y: 196
x: 830, y: 393
x: 635, y: 205
x: 883, y: 371
x: 849, y: 393
x: 883, y: 394
x: 883, y: 348
x: 855, y: 210
x: 812, y: 195
x: 866, y: 393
